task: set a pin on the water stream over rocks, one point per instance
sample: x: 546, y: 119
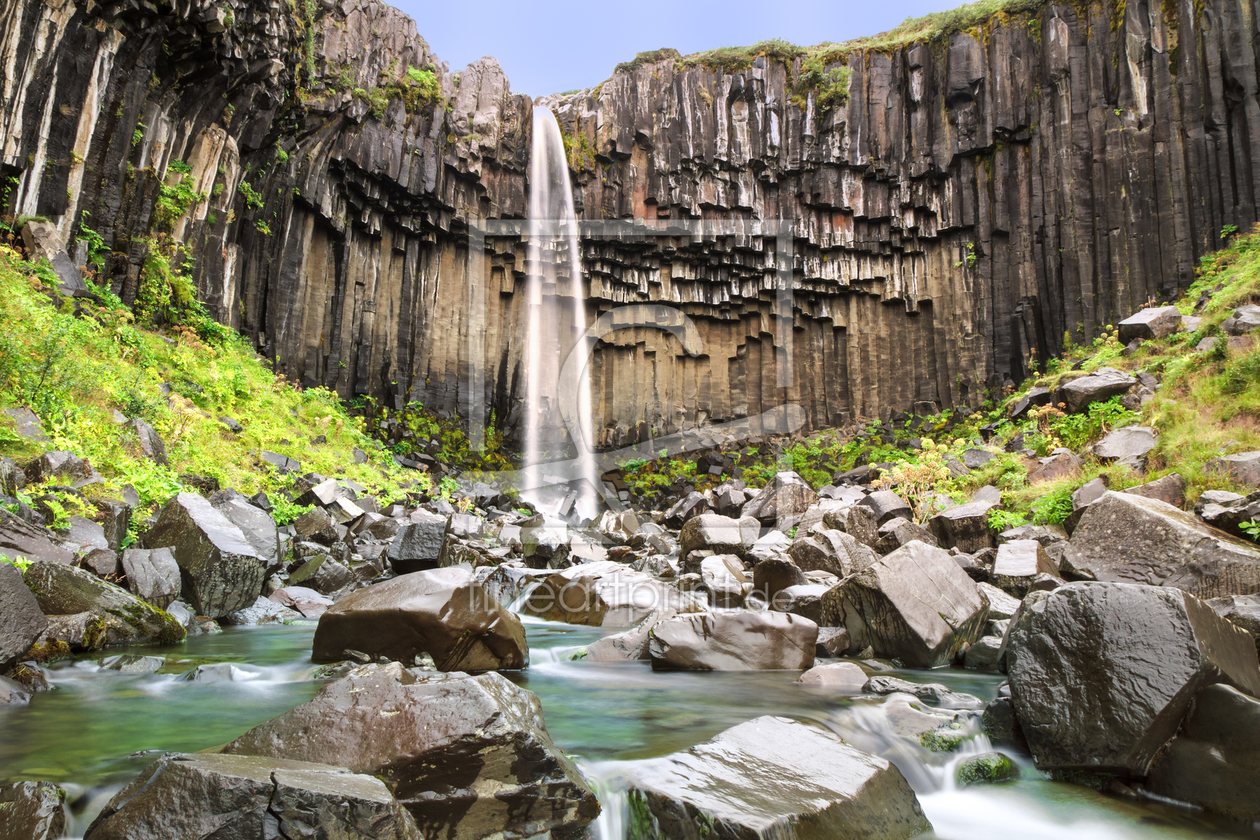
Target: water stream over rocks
x: 101, y: 726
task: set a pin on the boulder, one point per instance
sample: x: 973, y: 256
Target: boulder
x: 324, y: 574
x: 965, y: 527
x: 804, y: 600
x: 441, y: 612
x: 822, y: 788
x: 1230, y: 515
x: 896, y: 532
x: 27, y: 425
x: 840, y: 677
x: 786, y: 495
x: 1129, y: 446
x: 1018, y: 564
x: 1214, y: 762
x: 240, y: 796
x: 974, y: 459
x: 21, y: 620
x: 1001, y: 605
x: 1242, y: 611
x: 151, y: 443
x: 987, y: 767
x: 32, y: 811
x: 934, y: 693
x: 1102, y: 674
x: 1152, y: 323
x: 886, y: 505
x: 1244, y: 320
x: 418, y: 545
x: 316, y: 525
x: 725, y: 578
x: 1243, y: 468
x: 719, y: 534
x: 478, y: 742
x: 605, y: 594
x: 1102, y: 384
x: 257, y: 526
x: 152, y: 574
x: 544, y: 538
x: 1127, y: 538
x: 629, y: 645
x: 693, y: 504
x: 62, y: 468
x: 1170, y: 489
x: 263, y: 611
x: 220, y: 570
x: 112, y: 616
x: 984, y: 654
x: 831, y: 550
x: 916, y: 605
x: 735, y: 641
x: 857, y: 521
x: 832, y: 641
x: 1055, y: 467
x: 20, y: 539
x: 774, y: 574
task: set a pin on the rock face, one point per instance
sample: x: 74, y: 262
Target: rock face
x: 480, y: 740
x: 823, y: 788
x: 443, y: 613
x: 21, y: 620
x: 1160, y: 646
x: 738, y: 641
x: 916, y: 605
x: 1129, y: 538
x: 243, y: 796
x: 220, y: 570
x: 32, y: 811
x: 931, y: 206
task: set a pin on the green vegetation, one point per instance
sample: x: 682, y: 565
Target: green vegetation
x: 174, y: 200
x: 253, y: 200
x: 75, y: 372
x: 646, y: 57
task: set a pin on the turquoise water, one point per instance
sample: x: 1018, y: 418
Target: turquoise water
x: 99, y: 728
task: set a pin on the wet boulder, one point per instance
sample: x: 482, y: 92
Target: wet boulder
x: 21, y: 620
x: 109, y: 614
x: 1133, y: 539
x: 152, y: 574
x: 719, y: 534
x: 1102, y: 384
x: 1160, y: 646
x: 1214, y: 762
x: 19, y: 538
x: 32, y: 811
x: 62, y: 468
x: 628, y: 645
x: 857, y: 521
x: 240, y: 796
x: 1170, y: 489
x: 804, y: 600
x: 1242, y: 611
x: 441, y: 612
x: 733, y: 641
x: 478, y: 742
x: 916, y: 605
x: 220, y: 570
x: 988, y: 768
x: 823, y: 788
x: 316, y: 525
x: 1244, y: 320
x: 604, y: 594
x: 418, y: 545
x: 785, y: 496
x: 774, y: 574
x: 965, y: 527
x: 691, y: 505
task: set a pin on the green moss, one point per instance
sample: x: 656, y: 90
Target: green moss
x: 95, y: 633
x: 647, y: 57
x: 945, y: 739
x: 989, y: 767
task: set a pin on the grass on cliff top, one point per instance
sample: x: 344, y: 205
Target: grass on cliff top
x: 75, y: 371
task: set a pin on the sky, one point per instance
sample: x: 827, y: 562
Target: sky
x: 558, y: 45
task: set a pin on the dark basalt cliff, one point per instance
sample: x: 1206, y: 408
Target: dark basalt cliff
x: 979, y: 195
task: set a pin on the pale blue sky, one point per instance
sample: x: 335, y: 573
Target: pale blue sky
x: 547, y: 47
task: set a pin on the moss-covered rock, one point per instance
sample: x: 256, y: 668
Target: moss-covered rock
x: 116, y: 616
x: 986, y: 767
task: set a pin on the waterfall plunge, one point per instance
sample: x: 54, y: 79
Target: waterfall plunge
x: 551, y: 404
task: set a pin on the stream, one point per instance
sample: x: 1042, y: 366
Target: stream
x: 100, y: 727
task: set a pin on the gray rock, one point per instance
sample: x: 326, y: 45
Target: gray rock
x: 441, y: 612
x: 987, y: 494
x: 965, y: 527
x: 823, y: 788
x: 282, y: 463
x: 32, y: 811
x: 1242, y: 611
x: 221, y: 572
x: 324, y: 574
x: 1244, y: 320
x: 263, y: 611
x: 101, y: 562
x: 887, y: 505
x: 151, y: 443
x: 833, y: 551
x: 1055, y: 467
x: 984, y: 654
x: 239, y: 796
x: 21, y: 620
x: 1152, y: 323
x: 976, y: 458
x: 774, y: 574
x: 1047, y: 535
x: 479, y: 740
x: 110, y: 615
x: 786, y: 495
x: 62, y: 468
x: 1129, y: 446
x: 933, y: 693
x: 629, y: 645
x: 1244, y: 468
x: 1102, y: 384
x: 1127, y: 538
x: 418, y: 545
x: 896, y: 532
x: 27, y: 425
x: 604, y: 594
x: 724, y: 577
x: 132, y: 664
x: 1001, y: 605
x: 804, y: 600
x: 257, y: 526
x: 1214, y: 762
x: 857, y: 521
x: 1160, y: 646
x: 1170, y: 489
x: 734, y: 641
x: 1017, y: 565
x: 317, y: 525
x: 19, y: 538
x: 152, y: 574
x: 840, y: 677
x: 1231, y: 516
x: 693, y: 504
x: 916, y: 605
x: 719, y: 534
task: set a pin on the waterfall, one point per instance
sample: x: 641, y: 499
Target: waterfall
x: 553, y: 405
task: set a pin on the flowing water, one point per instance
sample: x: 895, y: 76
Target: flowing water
x: 99, y: 728
x: 554, y: 281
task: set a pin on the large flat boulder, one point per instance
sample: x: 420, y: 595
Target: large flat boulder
x: 478, y: 743
x: 1151, y: 323
x: 1243, y: 468
x: 773, y: 778
x: 111, y: 614
x: 1102, y: 674
x: 719, y: 534
x: 733, y: 641
x: 1102, y: 384
x: 441, y: 612
x: 916, y: 605
x: 32, y: 811
x: 1214, y: 762
x: 603, y: 594
x: 241, y: 796
x: 1134, y: 539
x: 220, y: 570
x: 1128, y: 445
x: 20, y: 539
x: 21, y: 620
